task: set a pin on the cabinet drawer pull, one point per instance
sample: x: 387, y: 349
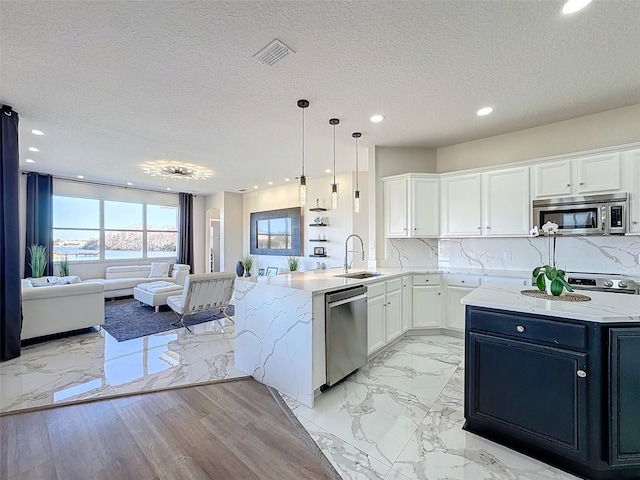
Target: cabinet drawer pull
x: 581, y: 373
x: 520, y: 328
x: 568, y: 184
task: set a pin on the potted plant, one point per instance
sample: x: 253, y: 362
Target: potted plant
x: 63, y: 267
x: 38, y: 255
x: 549, y: 278
x: 293, y: 263
x: 247, y: 263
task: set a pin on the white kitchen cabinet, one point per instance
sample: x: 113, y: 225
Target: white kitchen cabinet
x: 375, y: 317
x: 384, y: 309
x: 427, y: 301
x: 495, y: 203
x: 462, y: 212
x: 634, y: 191
x: 506, y: 208
x: 578, y: 176
x: 412, y: 206
x: 406, y: 303
x: 456, y: 287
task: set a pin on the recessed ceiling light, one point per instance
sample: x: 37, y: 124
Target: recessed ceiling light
x: 168, y: 188
x: 377, y: 118
x: 28, y: 160
x: 328, y: 170
x: 80, y: 176
x: 573, y: 6
x: 33, y: 149
x: 484, y: 111
x: 287, y: 179
x: 255, y: 186
x: 270, y: 183
x: 37, y: 132
x: 129, y: 183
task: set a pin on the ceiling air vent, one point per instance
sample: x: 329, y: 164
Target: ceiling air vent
x: 273, y: 53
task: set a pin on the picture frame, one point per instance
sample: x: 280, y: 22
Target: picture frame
x: 261, y: 272
x: 272, y: 271
x: 319, y: 251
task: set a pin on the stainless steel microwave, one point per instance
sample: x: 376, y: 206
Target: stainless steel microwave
x: 588, y: 215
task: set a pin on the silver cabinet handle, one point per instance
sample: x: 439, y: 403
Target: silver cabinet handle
x: 581, y: 183
x: 479, y: 228
x: 634, y: 223
x: 520, y: 328
x: 568, y: 184
x: 581, y: 373
x: 462, y: 281
x: 488, y: 227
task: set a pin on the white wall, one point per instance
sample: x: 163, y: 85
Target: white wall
x: 200, y: 232
x: 615, y: 127
x: 230, y: 206
x: 341, y: 222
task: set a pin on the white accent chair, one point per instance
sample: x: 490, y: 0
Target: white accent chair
x: 203, y: 291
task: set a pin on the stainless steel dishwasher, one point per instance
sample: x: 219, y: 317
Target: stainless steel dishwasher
x: 346, y: 332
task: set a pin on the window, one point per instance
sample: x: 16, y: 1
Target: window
x: 90, y: 229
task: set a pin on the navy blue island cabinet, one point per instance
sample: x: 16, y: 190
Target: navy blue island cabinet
x: 564, y: 391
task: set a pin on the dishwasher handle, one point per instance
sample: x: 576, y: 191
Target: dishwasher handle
x: 348, y: 293
x: 346, y: 300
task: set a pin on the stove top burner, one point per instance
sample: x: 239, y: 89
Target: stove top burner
x: 603, y: 282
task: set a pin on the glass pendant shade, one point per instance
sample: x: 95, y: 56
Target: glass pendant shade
x: 356, y: 202
x: 302, y: 190
x: 334, y: 196
x: 356, y: 196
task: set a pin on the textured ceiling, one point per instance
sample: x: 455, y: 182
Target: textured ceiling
x: 116, y: 84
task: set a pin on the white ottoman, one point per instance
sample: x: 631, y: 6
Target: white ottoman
x: 156, y: 293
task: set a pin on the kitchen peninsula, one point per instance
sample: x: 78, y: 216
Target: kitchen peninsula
x: 556, y: 380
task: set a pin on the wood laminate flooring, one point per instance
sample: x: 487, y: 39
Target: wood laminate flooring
x: 229, y: 430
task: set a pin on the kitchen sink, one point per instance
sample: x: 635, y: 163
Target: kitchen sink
x: 360, y: 275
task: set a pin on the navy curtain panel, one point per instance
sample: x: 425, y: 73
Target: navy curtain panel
x: 39, y: 218
x: 10, y: 296
x: 185, y: 232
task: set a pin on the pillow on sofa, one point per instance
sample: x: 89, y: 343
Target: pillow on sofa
x: 159, y: 270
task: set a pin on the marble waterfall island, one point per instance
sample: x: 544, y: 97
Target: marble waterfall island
x: 280, y: 329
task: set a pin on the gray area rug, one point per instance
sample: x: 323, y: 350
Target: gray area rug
x: 126, y: 319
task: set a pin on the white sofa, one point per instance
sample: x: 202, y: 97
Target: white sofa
x: 119, y: 281
x: 60, y: 308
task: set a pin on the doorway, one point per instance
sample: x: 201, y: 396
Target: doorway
x: 213, y: 264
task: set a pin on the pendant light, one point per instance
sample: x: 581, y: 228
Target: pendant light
x: 356, y: 197
x: 334, y: 185
x: 302, y: 192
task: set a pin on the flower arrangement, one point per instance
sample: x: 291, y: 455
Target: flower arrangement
x: 63, y: 267
x: 247, y: 263
x: 548, y: 277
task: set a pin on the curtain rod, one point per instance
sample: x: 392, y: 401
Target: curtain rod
x: 105, y: 184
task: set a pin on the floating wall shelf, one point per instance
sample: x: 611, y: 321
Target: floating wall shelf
x: 318, y: 209
x: 317, y: 224
x: 317, y: 255
x: 318, y: 240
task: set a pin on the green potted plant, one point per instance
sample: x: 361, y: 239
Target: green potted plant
x: 293, y: 263
x: 549, y: 278
x: 63, y: 267
x: 38, y: 255
x: 247, y: 263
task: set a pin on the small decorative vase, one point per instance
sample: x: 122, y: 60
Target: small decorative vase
x: 239, y: 269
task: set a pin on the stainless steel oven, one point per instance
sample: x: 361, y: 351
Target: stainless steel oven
x: 602, y: 282
x: 589, y: 215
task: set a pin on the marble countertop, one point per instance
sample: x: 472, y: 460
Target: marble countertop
x: 603, y: 307
x: 321, y: 281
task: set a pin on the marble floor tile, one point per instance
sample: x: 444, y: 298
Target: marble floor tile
x: 376, y: 419
x: 440, y: 450
x: 350, y: 462
x: 92, y: 365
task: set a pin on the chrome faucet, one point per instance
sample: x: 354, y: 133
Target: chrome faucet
x: 346, y: 252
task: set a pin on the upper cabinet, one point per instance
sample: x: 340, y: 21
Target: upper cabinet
x: 486, y: 204
x: 634, y: 191
x: 412, y: 206
x: 579, y: 176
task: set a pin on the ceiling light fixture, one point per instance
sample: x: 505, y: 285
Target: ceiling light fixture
x: 168, y: 188
x: 484, y: 111
x: 356, y: 193
x: 37, y: 132
x: 33, y: 149
x: 377, y: 118
x: 573, y: 6
x: 334, y: 185
x: 255, y: 186
x: 287, y: 179
x: 328, y: 170
x: 129, y: 183
x: 270, y: 183
x: 80, y: 176
x: 29, y: 160
x: 176, y: 170
x: 302, y: 192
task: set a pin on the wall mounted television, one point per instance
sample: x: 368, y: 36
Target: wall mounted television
x: 276, y: 232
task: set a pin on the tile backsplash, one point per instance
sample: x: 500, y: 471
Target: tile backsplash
x: 610, y: 254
